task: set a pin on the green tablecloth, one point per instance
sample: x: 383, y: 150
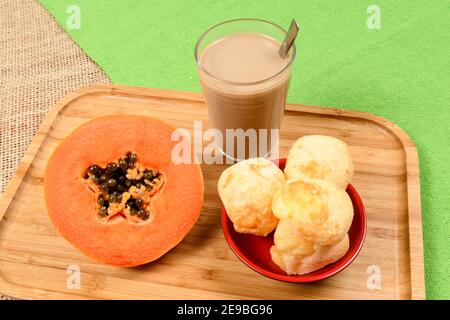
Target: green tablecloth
x: 400, y: 71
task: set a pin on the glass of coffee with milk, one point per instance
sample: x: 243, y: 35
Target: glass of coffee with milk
x: 244, y: 77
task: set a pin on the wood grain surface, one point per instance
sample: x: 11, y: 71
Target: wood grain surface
x: 34, y: 258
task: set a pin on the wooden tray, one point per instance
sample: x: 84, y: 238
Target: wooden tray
x: 34, y: 258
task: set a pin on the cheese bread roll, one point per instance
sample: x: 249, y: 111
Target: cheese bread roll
x: 296, y: 254
x: 320, y: 157
x: 322, y: 210
x: 246, y: 190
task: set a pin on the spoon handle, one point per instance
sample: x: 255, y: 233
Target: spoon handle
x: 289, y: 39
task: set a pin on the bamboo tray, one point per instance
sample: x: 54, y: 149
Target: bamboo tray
x: 34, y: 258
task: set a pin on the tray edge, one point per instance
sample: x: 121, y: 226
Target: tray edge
x: 412, y: 160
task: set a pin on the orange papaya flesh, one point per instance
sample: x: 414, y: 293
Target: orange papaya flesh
x: 71, y: 202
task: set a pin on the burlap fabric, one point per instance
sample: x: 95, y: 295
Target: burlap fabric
x: 39, y: 64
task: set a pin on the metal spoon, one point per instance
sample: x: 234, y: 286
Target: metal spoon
x: 289, y: 39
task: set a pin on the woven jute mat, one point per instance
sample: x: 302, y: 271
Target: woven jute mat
x: 39, y: 64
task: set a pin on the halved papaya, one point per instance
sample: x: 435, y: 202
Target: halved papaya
x: 112, y: 190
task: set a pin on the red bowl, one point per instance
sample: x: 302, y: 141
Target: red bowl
x: 254, y: 250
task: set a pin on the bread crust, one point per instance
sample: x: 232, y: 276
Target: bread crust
x: 246, y: 190
x: 320, y: 157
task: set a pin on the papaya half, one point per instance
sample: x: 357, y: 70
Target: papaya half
x: 112, y: 190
